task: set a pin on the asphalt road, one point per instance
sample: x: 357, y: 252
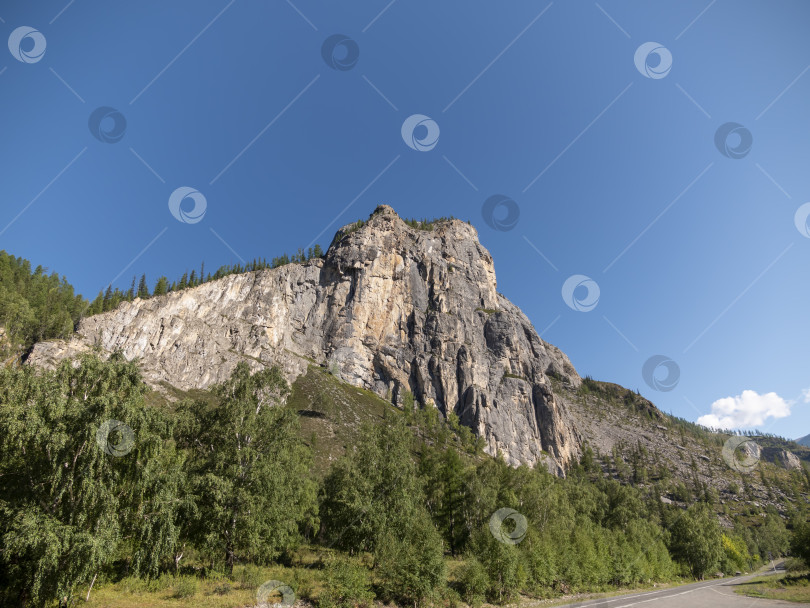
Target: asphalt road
x: 718, y: 593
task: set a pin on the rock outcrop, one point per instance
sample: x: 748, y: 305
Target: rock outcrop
x: 389, y: 307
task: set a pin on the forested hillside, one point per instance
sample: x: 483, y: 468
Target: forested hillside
x: 34, y: 305
x: 104, y: 483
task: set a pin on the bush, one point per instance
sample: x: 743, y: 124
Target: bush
x: 303, y: 582
x: 185, y: 586
x: 347, y: 584
x: 251, y: 577
x: 474, y: 582
x: 800, y: 543
x: 503, y: 565
x: 411, y: 564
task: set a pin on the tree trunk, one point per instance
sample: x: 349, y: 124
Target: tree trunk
x: 229, y: 559
x: 93, y: 582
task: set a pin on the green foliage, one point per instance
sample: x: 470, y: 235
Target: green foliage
x: 474, y: 582
x: 34, y: 305
x: 410, y: 559
x: 251, y: 576
x: 370, y: 487
x: 185, y: 587
x: 735, y: 554
x: 69, y: 499
x: 503, y: 564
x: 800, y: 543
x: 772, y: 537
x: 111, y: 298
x: 697, y: 540
x: 347, y: 584
x: 250, y: 469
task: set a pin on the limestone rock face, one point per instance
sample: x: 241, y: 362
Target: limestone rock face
x: 789, y: 460
x: 390, y: 308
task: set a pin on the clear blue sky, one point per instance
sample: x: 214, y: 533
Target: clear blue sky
x: 536, y: 101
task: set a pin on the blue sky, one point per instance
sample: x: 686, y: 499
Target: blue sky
x: 616, y: 175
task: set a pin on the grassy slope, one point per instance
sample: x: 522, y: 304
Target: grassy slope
x: 676, y: 450
x: 332, y: 412
x: 785, y: 587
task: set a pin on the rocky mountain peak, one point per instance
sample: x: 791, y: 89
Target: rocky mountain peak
x: 395, y: 307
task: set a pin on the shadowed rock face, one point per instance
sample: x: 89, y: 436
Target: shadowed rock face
x: 392, y: 308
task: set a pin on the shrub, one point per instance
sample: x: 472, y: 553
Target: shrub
x: 474, y: 582
x: 347, y: 584
x: 185, y: 586
x: 503, y: 565
x: 251, y: 577
x: 411, y: 564
x: 303, y: 582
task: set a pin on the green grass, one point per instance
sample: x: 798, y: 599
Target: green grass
x: 332, y: 412
x: 189, y: 591
x: 785, y: 587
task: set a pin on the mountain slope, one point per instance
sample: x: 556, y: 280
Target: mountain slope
x: 804, y: 441
x: 390, y: 308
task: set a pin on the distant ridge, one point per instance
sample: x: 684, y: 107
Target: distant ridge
x: 804, y: 441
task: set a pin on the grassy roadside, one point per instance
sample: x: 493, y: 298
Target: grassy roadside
x: 305, y: 578
x: 789, y: 587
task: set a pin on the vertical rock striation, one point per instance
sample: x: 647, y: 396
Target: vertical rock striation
x: 391, y: 308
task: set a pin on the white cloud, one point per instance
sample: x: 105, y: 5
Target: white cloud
x: 806, y: 395
x: 750, y: 409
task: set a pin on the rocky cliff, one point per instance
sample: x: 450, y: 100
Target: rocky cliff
x: 389, y: 307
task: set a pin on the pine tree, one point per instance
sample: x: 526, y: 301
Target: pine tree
x: 107, y: 304
x: 162, y: 286
x: 143, y: 288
